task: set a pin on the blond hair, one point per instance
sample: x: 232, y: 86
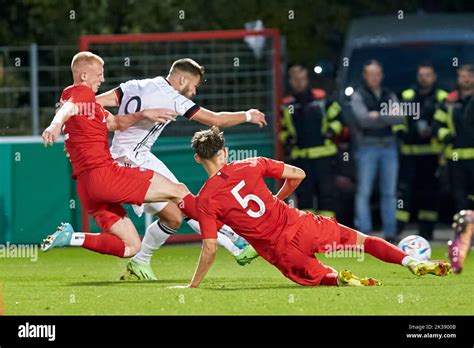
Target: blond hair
x: 84, y: 58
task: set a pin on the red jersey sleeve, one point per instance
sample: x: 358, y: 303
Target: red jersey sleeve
x: 81, y: 95
x: 207, y: 219
x: 270, y: 167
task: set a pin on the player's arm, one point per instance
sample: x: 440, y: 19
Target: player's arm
x: 229, y: 119
x: 108, y: 98
x: 208, y: 255
x: 122, y: 122
x: 294, y: 176
x: 66, y: 111
x: 208, y: 222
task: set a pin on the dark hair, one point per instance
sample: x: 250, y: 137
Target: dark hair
x: 467, y: 67
x: 426, y: 64
x: 207, y: 143
x: 372, y: 62
x: 188, y: 65
x: 297, y: 67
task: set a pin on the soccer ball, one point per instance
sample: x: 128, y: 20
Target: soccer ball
x: 416, y: 246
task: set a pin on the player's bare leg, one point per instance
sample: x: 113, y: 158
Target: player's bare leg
x: 126, y: 231
x: 156, y: 234
x: 458, y: 248
x: 164, y: 190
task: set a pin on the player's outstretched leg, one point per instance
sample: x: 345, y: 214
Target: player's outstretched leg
x: 458, y: 248
x: 387, y: 252
x: 120, y: 240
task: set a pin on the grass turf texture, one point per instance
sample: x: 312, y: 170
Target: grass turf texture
x: 74, y: 281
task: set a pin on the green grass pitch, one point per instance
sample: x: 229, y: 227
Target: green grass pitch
x: 74, y: 281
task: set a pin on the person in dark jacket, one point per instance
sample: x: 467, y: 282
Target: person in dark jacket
x: 420, y: 150
x: 309, y: 124
x: 376, y: 149
x: 454, y: 126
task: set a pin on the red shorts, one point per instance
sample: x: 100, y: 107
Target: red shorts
x: 315, y: 235
x: 102, y: 190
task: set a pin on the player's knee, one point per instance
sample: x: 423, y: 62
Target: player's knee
x: 173, y: 221
x: 181, y: 190
x: 361, y: 238
x: 132, y: 248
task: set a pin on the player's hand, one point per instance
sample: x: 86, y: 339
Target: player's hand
x: 51, y: 133
x: 188, y: 286
x: 258, y: 117
x: 160, y: 115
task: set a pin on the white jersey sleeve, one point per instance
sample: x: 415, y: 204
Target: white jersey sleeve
x: 137, y: 95
x: 153, y: 93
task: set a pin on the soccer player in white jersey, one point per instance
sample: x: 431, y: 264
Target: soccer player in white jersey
x: 132, y: 147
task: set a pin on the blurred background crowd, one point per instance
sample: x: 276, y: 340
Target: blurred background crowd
x: 414, y: 150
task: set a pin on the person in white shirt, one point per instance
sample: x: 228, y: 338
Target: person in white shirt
x: 132, y: 147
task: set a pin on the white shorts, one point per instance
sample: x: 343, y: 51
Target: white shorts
x: 148, y: 161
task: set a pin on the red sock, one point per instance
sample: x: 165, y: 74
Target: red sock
x: 329, y: 279
x: 383, y: 250
x: 104, y: 243
x: 188, y: 207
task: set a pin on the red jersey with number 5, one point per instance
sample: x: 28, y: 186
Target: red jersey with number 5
x: 238, y: 196
x: 85, y: 134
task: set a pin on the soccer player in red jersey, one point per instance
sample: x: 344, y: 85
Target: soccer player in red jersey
x: 102, y: 185
x: 288, y: 238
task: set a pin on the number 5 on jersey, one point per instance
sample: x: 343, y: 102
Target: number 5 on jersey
x: 244, y: 201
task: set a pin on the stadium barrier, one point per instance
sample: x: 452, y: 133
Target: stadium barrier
x: 37, y: 191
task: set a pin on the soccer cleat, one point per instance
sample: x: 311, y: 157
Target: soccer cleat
x: 60, y: 238
x: 246, y: 256
x: 437, y: 268
x: 458, y: 249
x: 241, y: 243
x: 138, y: 270
x: 346, y: 278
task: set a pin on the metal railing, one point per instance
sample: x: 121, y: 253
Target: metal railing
x: 31, y: 80
x: 33, y: 77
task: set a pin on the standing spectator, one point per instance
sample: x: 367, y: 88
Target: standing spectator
x: 376, y: 149
x: 454, y: 126
x: 309, y: 124
x: 420, y: 154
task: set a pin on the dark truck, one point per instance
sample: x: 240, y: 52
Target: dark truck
x: 400, y: 45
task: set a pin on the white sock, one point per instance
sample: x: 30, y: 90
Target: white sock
x: 155, y: 236
x: 77, y: 239
x: 229, y: 232
x: 225, y: 241
x: 222, y: 239
x: 194, y: 225
x: 407, y: 259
